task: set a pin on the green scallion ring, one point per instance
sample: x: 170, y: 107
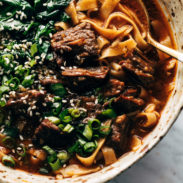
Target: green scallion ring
x: 75, y: 113
x: 8, y: 161
x: 94, y: 124
x: 67, y: 119
x: 55, y: 165
x: 8, y: 142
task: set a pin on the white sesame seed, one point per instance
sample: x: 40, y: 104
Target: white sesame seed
x: 21, y: 137
x: 9, y: 14
x: 31, y: 113
x: 64, y: 101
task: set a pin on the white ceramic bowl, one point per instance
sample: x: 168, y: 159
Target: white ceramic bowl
x: 174, y: 11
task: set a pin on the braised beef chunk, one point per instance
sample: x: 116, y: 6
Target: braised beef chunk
x: 91, y: 105
x: 140, y: 69
x: 119, y: 135
x: 49, y: 81
x: 49, y: 133
x: 75, y: 45
x: 129, y: 101
x: 113, y: 88
x: 85, y: 78
x: 19, y: 99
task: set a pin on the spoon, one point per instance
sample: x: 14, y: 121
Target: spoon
x: 151, y: 41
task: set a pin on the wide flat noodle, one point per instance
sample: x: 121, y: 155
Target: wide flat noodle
x: 71, y: 11
x: 133, y: 16
x: 76, y: 170
x: 120, y: 48
x: 107, y: 7
x: 84, y: 5
x: 137, y: 35
x: 108, y: 33
x: 102, y: 42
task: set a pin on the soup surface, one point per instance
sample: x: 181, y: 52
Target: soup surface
x: 79, y: 85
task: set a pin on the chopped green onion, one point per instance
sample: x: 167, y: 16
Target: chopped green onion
x: 52, y: 154
x: 8, y: 161
x: 13, y: 83
x: 73, y: 148
x: 4, y: 89
x: 89, y: 147
x: 55, y: 165
x: 21, y: 151
x: 81, y: 142
x: 57, y: 99
x: 2, y: 103
x: 88, y: 132
x: 75, y: 113
x: 58, y: 89
x: 28, y: 81
x: 56, y: 108
x: 32, y: 63
x: 49, y: 150
x: 68, y: 128
x: 63, y: 156
x: 54, y: 119
x: 63, y: 114
x: 67, y: 119
x: 43, y: 171
x: 8, y: 142
x: 94, y: 124
x: 109, y: 113
x: 61, y: 126
x: 34, y: 49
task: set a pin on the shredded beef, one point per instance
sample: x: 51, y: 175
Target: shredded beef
x: 142, y: 70
x: 84, y: 79
x: 113, y: 88
x: 129, y: 101
x: 49, y: 81
x: 75, y: 45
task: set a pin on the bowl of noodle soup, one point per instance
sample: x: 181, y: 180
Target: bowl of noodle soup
x: 121, y: 28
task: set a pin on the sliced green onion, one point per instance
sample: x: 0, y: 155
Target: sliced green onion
x: 81, y: 142
x: 32, y: 63
x: 21, y: 150
x: 52, y: 154
x: 43, y: 171
x: 49, y: 150
x: 61, y: 126
x: 55, y: 165
x: 57, y: 99
x: 67, y: 119
x: 8, y: 142
x: 8, y: 161
x: 68, y: 128
x: 58, y: 89
x: 34, y: 49
x: 13, y: 83
x: 74, y: 148
x: 56, y: 108
x: 63, y: 114
x: 94, y: 124
x: 109, y: 113
x: 88, y: 132
x: 54, y: 119
x: 75, y: 113
x: 4, y: 89
x: 28, y: 81
x: 89, y: 147
x: 63, y: 156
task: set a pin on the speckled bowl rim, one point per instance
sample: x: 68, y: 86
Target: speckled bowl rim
x: 169, y: 116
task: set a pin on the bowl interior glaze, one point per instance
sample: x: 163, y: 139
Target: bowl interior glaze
x: 173, y: 10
